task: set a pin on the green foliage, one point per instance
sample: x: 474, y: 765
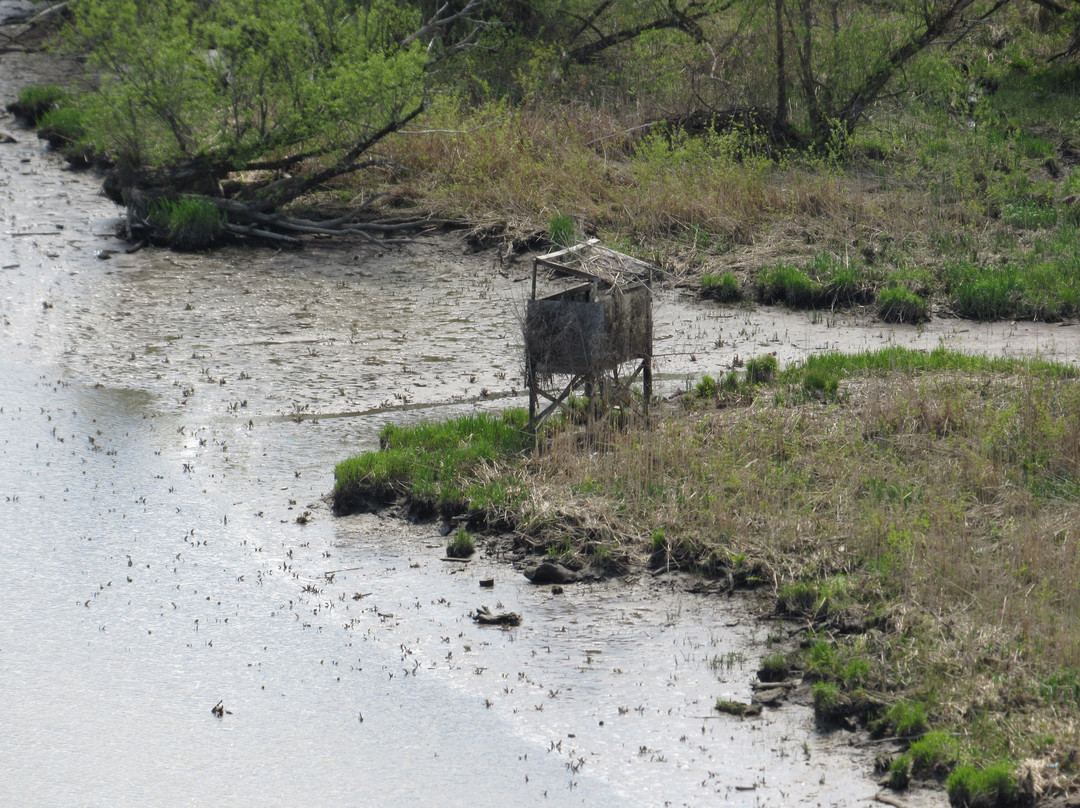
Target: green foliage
x: 706, y: 388
x: 239, y: 79
x: 723, y: 288
x: 819, y: 384
x: 461, y: 545
x: 900, y: 305
x: 814, y: 598
x: 37, y: 101
x: 985, y: 294
x: 736, y: 708
x: 429, y: 462
x: 761, y: 369
x: 829, y: 702
x: 784, y: 283
x: 900, y: 772
x: 658, y: 542
x: 561, y: 230
x: 188, y: 223
x: 990, y: 787
x: 822, y: 281
x: 936, y: 752
x: 903, y: 719
x: 774, y: 668
x: 909, y: 360
x: 1063, y: 686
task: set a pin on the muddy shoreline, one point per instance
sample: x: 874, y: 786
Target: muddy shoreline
x: 169, y: 426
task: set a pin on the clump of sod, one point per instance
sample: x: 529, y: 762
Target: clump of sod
x: 899, y: 305
x: 188, y: 223
x: 461, y: 545
x: 430, y: 464
x: 761, y: 369
x: 723, y: 288
x: 561, y: 230
x: 34, y: 102
x: 990, y: 787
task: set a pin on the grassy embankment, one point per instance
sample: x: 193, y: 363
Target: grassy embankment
x: 919, y: 512
x: 928, y: 208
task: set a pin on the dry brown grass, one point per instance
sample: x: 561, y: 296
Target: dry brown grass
x: 950, y: 503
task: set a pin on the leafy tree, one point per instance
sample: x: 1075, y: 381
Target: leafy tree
x: 192, y: 90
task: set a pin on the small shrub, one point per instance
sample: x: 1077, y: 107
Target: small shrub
x: 900, y: 305
x: 723, y: 288
x: 462, y: 545
x: 983, y: 788
x: 706, y: 388
x: 761, y: 369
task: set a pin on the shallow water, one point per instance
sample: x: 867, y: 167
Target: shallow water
x: 164, y: 421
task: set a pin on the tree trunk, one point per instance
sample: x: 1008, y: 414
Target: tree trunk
x: 781, y: 122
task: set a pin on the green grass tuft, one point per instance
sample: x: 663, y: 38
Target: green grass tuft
x: 899, y: 305
x: 936, y: 752
x: 188, y: 223
x: 428, y: 463
x: 462, y: 545
x: 784, y: 283
x: 723, y: 288
x: 983, y: 788
x: 761, y: 369
x: 561, y: 230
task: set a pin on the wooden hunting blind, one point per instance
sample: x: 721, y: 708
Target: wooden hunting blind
x: 595, y: 336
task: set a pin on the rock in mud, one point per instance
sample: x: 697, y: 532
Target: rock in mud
x: 549, y: 572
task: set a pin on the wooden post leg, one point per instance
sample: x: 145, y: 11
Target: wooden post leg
x: 530, y: 380
x: 646, y: 379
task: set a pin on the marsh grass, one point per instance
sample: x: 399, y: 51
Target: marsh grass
x: 987, y: 787
x: 723, y: 288
x: 934, y: 499
x: 436, y: 465
x: 36, y: 101
x: 928, y: 513
x: 187, y: 223
x: 461, y: 545
x: 900, y: 305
